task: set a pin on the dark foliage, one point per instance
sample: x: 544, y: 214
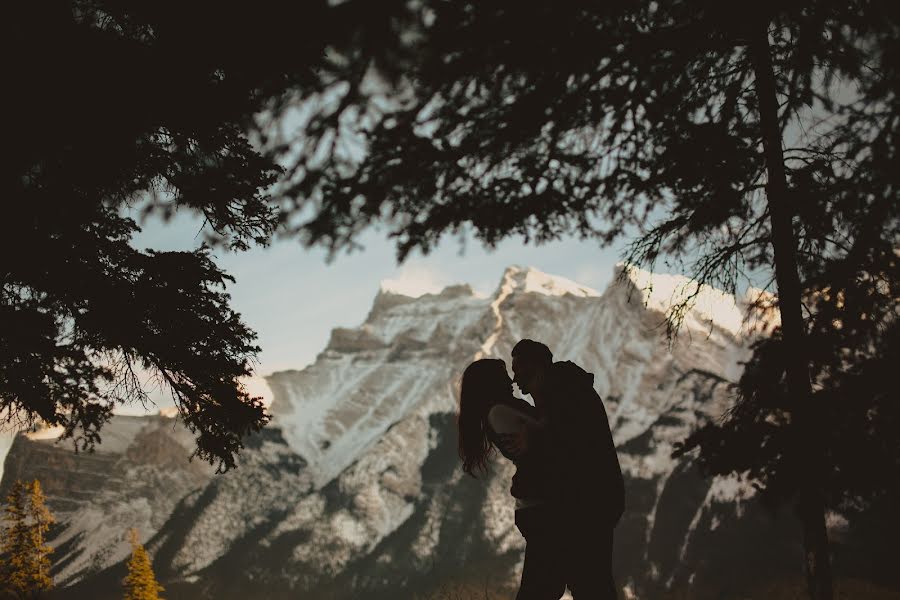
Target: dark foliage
x: 847, y: 221
x: 749, y: 142
x: 124, y: 107
x: 591, y: 118
x: 854, y: 339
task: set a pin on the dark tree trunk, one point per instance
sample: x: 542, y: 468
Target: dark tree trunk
x: 810, y: 459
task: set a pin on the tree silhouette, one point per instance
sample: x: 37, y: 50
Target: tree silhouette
x: 737, y: 142
x: 24, y: 558
x: 124, y: 109
x: 140, y: 584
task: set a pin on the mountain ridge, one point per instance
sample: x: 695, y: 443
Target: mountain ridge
x: 355, y: 487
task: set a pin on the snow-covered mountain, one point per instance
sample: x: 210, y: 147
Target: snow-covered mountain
x: 355, y: 490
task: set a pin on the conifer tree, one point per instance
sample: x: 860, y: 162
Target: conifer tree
x: 24, y: 558
x: 140, y: 584
x: 739, y: 142
x: 83, y: 312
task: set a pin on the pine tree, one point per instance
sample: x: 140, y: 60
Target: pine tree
x: 140, y: 584
x: 82, y: 310
x: 24, y: 558
x: 743, y: 142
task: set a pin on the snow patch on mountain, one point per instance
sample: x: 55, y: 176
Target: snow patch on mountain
x: 46, y: 433
x: 710, y: 307
x: 531, y: 280
x: 370, y: 378
x: 234, y: 504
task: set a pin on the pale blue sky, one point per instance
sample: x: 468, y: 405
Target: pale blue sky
x: 293, y: 298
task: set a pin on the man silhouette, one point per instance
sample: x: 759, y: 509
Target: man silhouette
x: 571, y: 539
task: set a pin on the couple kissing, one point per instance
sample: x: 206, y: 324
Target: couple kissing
x: 568, y: 487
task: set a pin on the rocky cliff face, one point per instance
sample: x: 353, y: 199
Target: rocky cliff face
x: 354, y: 489
x: 133, y: 479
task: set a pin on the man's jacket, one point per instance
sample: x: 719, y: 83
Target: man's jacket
x: 585, y: 468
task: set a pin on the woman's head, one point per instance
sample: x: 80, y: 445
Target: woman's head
x: 484, y: 382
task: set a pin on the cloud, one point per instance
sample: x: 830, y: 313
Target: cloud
x: 415, y: 280
x: 597, y: 277
x: 257, y: 386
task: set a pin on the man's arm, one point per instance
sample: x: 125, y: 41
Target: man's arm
x: 529, y: 436
x: 518, y: 433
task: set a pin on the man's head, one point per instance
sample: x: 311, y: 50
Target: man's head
x: 530, y: 362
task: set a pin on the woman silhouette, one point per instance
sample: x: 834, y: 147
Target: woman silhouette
x: 491, y: 417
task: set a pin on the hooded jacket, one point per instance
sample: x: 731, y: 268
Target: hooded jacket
x: 585, y: 468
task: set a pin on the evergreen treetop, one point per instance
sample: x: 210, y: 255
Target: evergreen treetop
x: 24, y: 557
x: 140, y: 583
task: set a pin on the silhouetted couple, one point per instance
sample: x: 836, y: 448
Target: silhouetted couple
x: 568, y: 486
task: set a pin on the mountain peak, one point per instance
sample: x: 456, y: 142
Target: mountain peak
x: 708, y: 305
x: 530, y: 279
x: 390, y: 296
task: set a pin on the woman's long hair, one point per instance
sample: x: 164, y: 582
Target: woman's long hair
x: 482, y: 381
